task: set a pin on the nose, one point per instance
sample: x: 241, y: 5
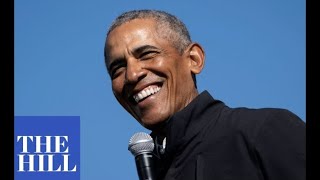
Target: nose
x: 135, y: 71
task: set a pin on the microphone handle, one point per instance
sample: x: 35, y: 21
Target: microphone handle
x: 145, y: 166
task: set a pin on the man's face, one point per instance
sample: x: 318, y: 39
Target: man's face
x: 150, y: 78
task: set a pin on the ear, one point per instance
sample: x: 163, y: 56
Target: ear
x: 196, y: 58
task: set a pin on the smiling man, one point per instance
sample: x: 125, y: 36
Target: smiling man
x: 151, y: 69
x: 153, y: 63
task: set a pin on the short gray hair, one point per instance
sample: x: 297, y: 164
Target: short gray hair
x: 168, y: 27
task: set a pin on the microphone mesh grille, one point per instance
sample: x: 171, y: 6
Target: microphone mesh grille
x: 140, y: 142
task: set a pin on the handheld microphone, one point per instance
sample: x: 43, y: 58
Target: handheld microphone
x: 141, y: 146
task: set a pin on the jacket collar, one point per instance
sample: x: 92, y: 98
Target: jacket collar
x: 187, y: 123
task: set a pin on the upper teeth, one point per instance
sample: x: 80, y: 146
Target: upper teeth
x: 146, y: 92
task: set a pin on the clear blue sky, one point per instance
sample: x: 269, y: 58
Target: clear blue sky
x: 255, y: 57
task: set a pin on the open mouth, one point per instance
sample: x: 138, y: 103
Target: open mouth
x: 146, y: 92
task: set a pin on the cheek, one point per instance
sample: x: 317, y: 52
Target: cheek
x: 179, y: 71
x: 117, y: 87
x: 117, y: 91
x: 168, y: 66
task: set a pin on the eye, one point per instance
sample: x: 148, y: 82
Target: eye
x: 148, y: 55
x: 117, y: 69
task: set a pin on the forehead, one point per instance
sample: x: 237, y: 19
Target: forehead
x: 134, y: 33
x: 132, y: 30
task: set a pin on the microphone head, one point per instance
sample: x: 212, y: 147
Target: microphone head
x: 141, y: 143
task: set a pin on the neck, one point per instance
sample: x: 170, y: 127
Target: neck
x: 160, y: 129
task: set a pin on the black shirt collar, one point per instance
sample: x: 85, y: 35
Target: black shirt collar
x: 188, y: 122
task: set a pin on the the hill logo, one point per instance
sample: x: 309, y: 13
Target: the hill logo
x: 47, y: 147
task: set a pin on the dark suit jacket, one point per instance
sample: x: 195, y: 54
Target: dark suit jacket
x: 208, y: 140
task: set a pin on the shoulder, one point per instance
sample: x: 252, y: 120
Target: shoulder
x: 253, y: 122
x: 247, y: 116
